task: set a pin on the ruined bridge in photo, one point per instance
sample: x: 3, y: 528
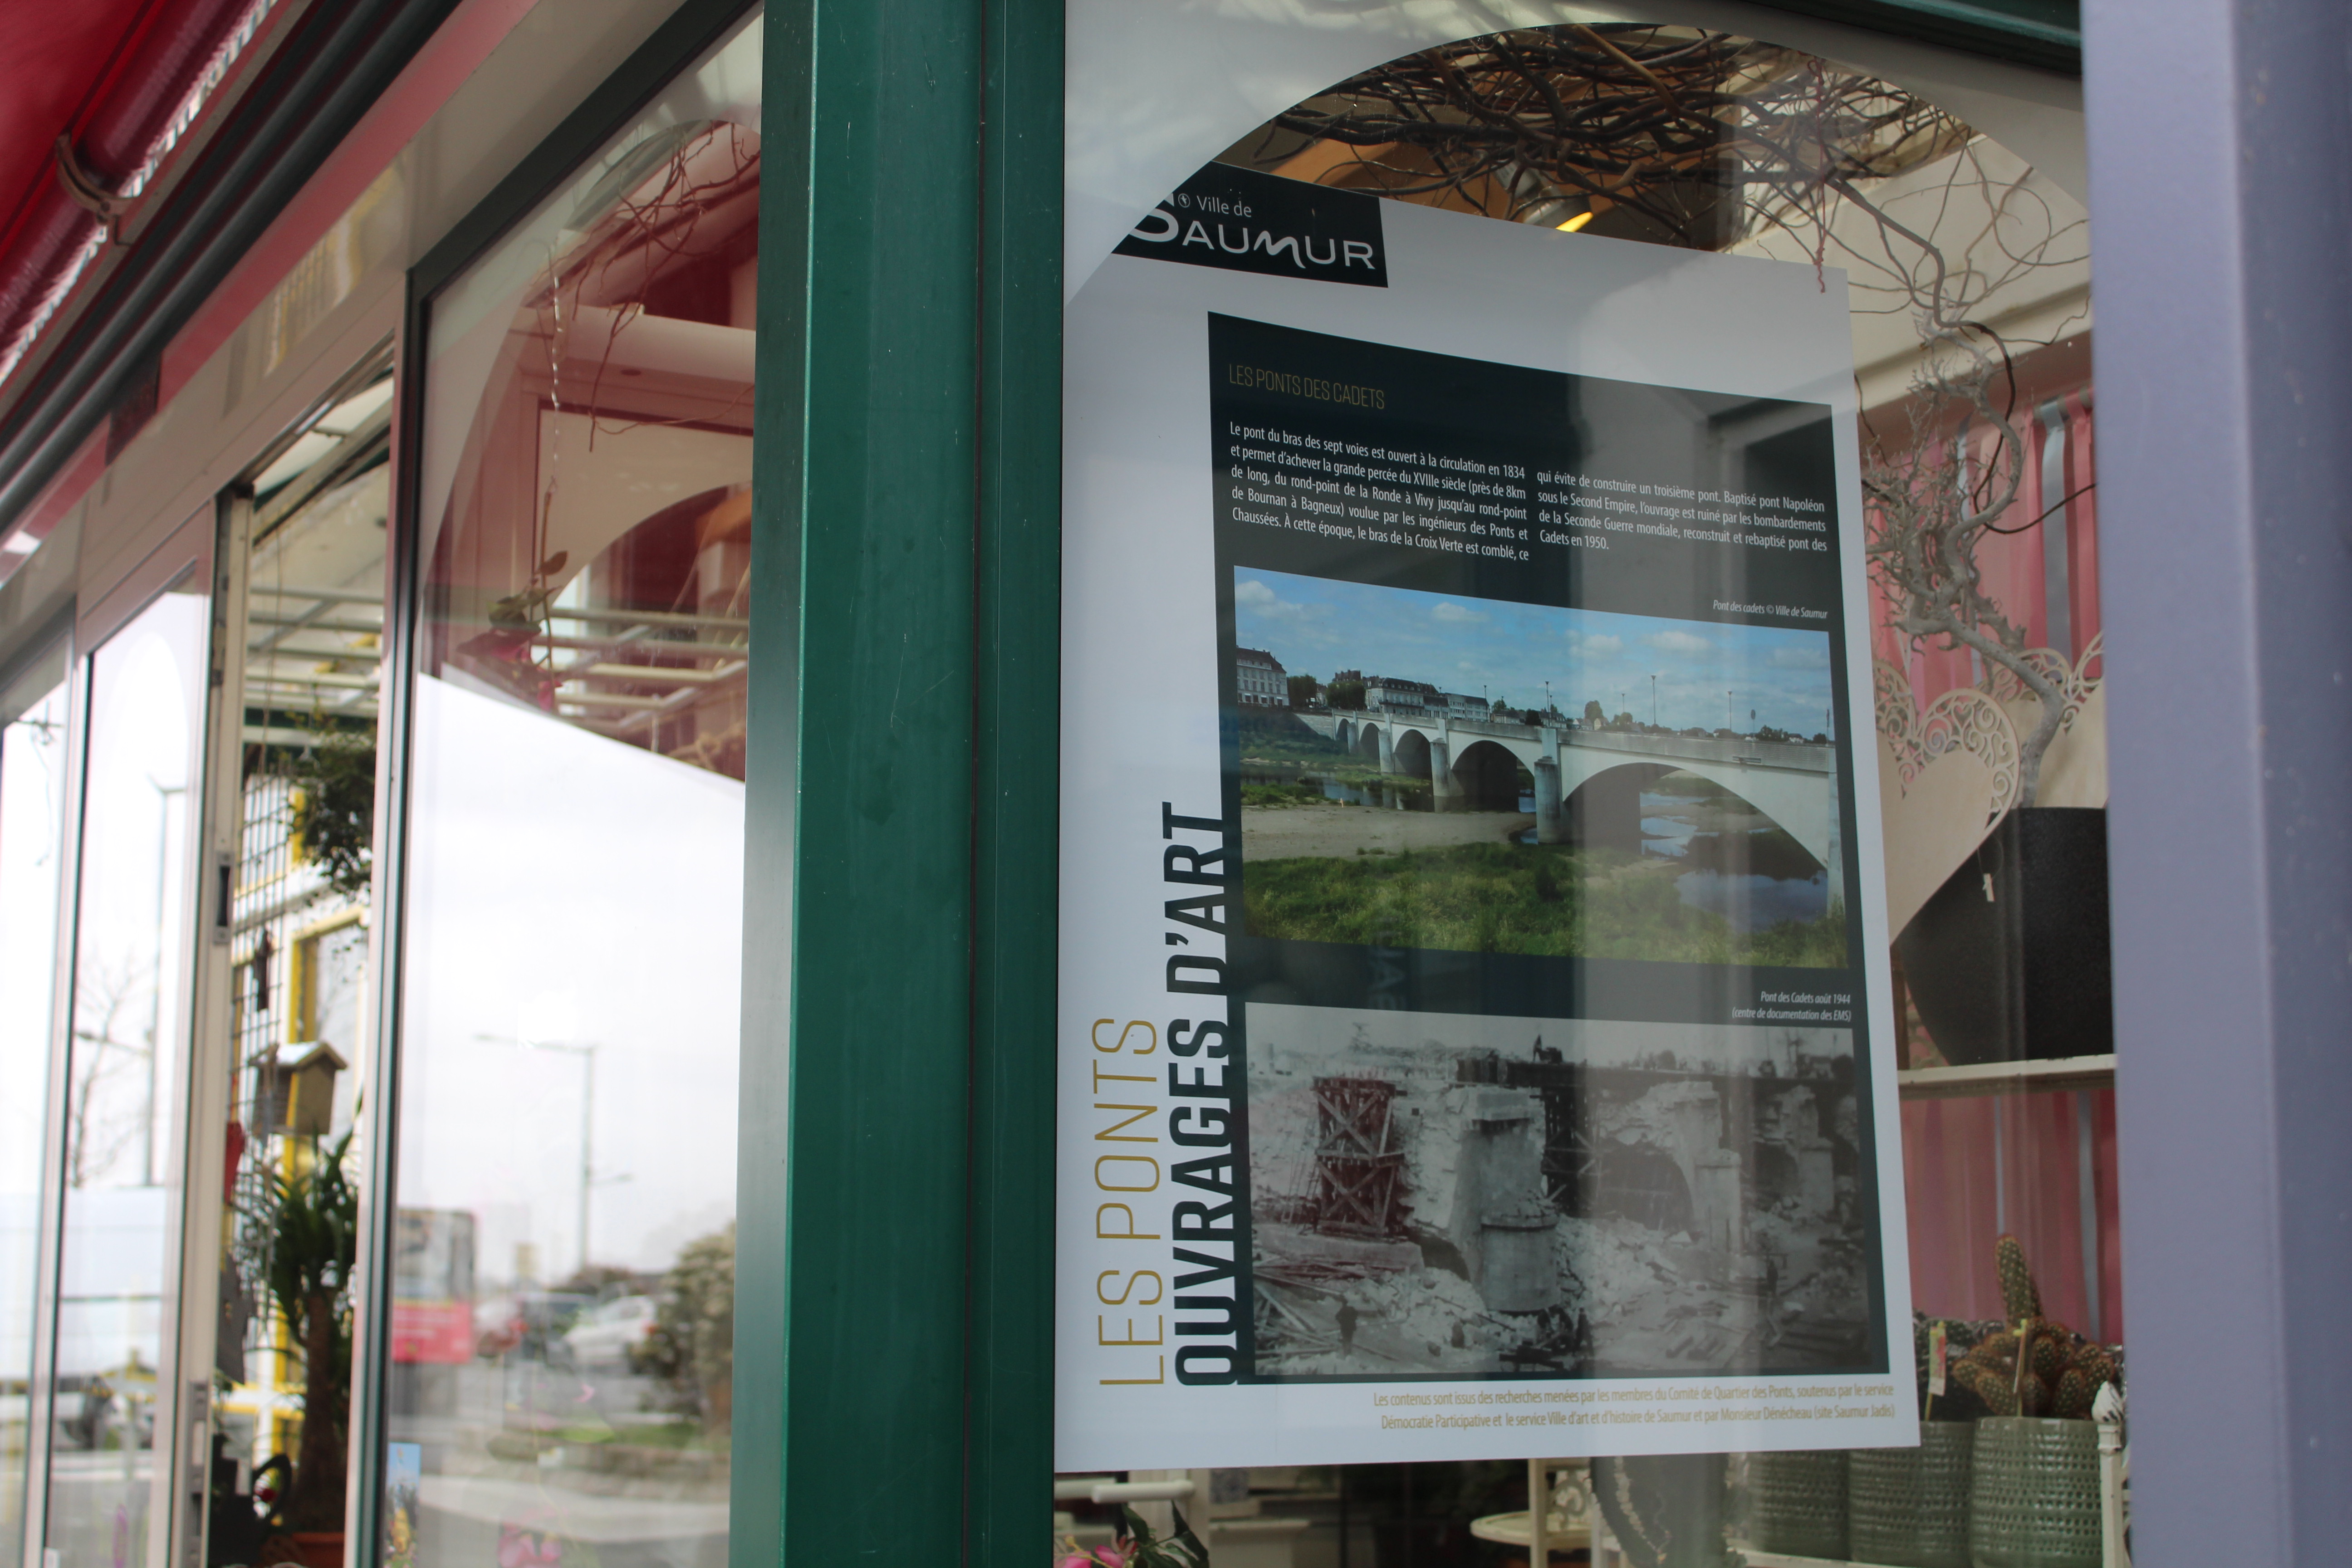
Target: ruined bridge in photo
x: 1716, y: 1142
x: 1588, y: 779
x: 1692, y: 1147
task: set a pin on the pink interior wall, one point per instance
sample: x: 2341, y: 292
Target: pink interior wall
x: 1975, y: 1167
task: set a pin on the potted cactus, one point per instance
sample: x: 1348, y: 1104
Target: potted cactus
x: 2006, y: 1472
x: 2033, y: 1366
x: 2033, y: 1497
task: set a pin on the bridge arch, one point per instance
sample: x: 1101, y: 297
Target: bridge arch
x: 1606, y: 808
x: 1793, y: 786
x: 1487, y: 775
x: 1643, y: 1185
x: 1777, y: 1175
x: 1605, y: 805
x: 1412, y: 756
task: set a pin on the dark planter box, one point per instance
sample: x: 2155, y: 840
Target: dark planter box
x: 2023, y: 973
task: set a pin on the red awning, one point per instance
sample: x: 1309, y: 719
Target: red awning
x: 115, y: 78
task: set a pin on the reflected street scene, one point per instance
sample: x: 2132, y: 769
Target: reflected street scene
x: 566, y: 1249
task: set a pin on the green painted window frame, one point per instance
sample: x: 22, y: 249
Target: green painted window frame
x: 897, y: 1113
x: 691, y: 31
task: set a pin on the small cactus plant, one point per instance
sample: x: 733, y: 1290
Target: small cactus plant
x: 2020, y: 1296
x: 2034, y: 1365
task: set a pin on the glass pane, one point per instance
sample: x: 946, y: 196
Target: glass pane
x: 32, y: 823
x: 298, y: 983
x: 565, y: 1247
x: 1694, y: 1207
x: 129, y: 990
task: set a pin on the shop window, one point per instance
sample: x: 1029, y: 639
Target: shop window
x: 32, y: 833
x: 564, y: 1245
x: 297, y: 1030
x: 1450, y: 1195
x: 125, y: 1074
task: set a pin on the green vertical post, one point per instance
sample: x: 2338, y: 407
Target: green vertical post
x: 892, y: 1361
x: 1012, y: 1373
x: 859, y: 883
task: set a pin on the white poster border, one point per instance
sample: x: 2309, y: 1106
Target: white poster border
x: 1141, y: 725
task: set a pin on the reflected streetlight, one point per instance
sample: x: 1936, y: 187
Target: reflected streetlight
x: 164, y: 794
x: 586, y: 1051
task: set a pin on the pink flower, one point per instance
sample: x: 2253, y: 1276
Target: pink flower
x: 519, y: 1549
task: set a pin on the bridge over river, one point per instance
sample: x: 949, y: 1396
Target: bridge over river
x: 1588, y: 783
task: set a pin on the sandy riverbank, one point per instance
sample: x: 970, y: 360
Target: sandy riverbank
x: 1287, y: 831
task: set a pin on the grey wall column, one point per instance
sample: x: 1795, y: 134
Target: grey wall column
x: 2225, y: 365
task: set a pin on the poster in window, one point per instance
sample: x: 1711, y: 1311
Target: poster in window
x: 1473, y: 960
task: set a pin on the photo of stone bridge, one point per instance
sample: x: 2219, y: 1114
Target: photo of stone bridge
x: 1588, y: 783
x: 1379, y: 807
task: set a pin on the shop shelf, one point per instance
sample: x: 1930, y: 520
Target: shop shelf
x: 2008, y: 1078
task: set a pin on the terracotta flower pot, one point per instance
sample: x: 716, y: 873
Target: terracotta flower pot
x: 320, y: 1548
x: 2009, y: 960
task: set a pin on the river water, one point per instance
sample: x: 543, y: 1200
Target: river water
x: 1753, y: 878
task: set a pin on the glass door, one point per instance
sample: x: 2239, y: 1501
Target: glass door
x: 123, y: 1145
x: 33, y: 787
x: 285, y: 1034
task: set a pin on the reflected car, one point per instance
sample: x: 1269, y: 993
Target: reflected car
x: 530, y: 1322
x: 612, y: 1335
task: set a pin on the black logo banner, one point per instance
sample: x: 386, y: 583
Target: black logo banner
x: 1249, y: 221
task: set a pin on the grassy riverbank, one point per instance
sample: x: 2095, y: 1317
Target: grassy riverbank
x: 1283, y: 737
x: 1548, y: 900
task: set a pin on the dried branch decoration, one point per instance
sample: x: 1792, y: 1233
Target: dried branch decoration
x: 1696, y: 138
x: 1929, y: 506
x: 1706, y: 140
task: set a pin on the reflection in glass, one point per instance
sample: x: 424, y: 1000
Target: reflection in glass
x: 298, y: 960
x: 563, y: 1243
x: 130, y: 988
x: 32, y: 822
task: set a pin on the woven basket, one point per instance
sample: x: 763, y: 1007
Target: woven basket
x: 2033, y: 1500
x: 1797, y: 1503
x: 1910, y: 1506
